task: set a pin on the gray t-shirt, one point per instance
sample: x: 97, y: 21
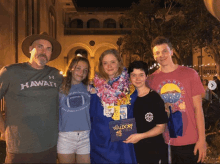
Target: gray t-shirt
x: 74, y: 109
x: 31, y: 97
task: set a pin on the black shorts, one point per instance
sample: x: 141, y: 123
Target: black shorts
x: 182, y: 155
x: 150, y: 153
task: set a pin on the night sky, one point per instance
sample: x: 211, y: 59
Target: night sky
x: 104, y: 3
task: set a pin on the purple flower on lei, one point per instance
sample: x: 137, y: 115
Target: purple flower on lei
x: 111, y: 91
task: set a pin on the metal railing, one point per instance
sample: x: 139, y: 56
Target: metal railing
x: 96, y: 31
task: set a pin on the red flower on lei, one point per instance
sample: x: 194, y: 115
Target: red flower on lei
x: 112, y: 93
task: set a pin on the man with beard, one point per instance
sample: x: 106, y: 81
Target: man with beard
x: 31, y: 94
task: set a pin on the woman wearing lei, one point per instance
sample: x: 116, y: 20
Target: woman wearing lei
x: 112, y: 98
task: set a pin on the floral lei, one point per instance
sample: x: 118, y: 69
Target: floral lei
x: 117, y: 91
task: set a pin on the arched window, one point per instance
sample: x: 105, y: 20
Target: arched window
x: 52, y: 22
x: 109, y: 23
x: 93, y: 23
x: 76, y: 23
x: 82, y: 52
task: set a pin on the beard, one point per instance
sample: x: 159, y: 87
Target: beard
x: 42, y: 61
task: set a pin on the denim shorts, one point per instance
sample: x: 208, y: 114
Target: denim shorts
x: 73, y: 142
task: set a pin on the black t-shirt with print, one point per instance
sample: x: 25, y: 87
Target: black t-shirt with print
x: 149, y: 110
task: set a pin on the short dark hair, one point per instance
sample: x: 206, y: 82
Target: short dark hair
x: 161, y: 40
x: 138, y: 65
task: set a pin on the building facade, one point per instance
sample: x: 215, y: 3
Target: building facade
x: 86, y: 32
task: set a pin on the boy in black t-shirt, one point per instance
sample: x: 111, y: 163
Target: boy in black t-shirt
x: 150, y: 116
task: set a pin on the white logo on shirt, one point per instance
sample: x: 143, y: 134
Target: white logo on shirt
x: 149, y: 117
x: 38, y: 83
x: 51, y: 77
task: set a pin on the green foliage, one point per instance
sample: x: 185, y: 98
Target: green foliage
x: 187, y: 24
x: 213, y: 145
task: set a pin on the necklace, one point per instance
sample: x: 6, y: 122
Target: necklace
x: 117, y: 91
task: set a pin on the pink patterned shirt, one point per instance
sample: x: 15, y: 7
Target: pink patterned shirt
x: 178, y: 88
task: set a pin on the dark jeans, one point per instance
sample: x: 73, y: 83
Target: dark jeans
x: 182, y: 155
x: 48, y: 156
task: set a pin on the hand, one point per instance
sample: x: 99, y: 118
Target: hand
x: 92, y: 90
x: 201, y: 147
x: 167, y: 108
x: 134, y: 138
